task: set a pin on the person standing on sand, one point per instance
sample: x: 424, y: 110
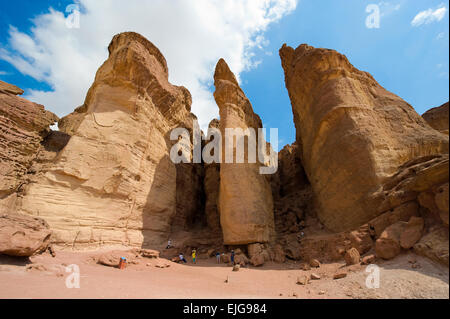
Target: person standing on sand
x: 232, y: 257
x: 218, y: 257
x: 182, y: 258
x: 194, y: 253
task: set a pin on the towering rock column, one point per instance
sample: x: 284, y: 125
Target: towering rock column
x: 353, y: 133
x: 245, y: 200
x: 114, y: 182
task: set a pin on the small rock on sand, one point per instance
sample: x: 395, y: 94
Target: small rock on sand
x: 368, y: 259
x: 315, y: 276
x: 314, y: 263
x: 302, y: 280
x: 340, y: 275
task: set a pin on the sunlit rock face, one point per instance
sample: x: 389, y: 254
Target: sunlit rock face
x: 245, y: 199
x: 114, y: 183
x: 437, y: 117
x: 352, y: 133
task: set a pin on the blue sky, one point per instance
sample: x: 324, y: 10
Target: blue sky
x: 408, y: 60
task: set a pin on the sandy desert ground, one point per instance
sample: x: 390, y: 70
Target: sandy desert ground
x: 407, y: 276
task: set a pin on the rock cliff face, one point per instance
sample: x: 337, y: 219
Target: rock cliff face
x: 352, y: 133
x: 23, y: 126
x: 292, y: 193
x: 437, y: 117
x: 365, y: 165
x: 212, y: 188
x: 245, y: 200
x: 114, y: 183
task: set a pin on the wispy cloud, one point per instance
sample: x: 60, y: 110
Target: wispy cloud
x: 3, y: 73
x: 192, y: 35
x: 429, y: 16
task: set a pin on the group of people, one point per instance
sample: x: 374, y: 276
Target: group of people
x: 193, y: 254
x: 219, y: 256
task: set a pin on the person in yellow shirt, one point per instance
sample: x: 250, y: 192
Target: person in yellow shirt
x: 194, y: 254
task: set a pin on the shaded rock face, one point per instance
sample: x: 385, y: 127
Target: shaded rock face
x: 212, y: 188
x: 245, y: 200
x: 292, y: 193
x: 22, y: 235
x: 352, y: 134
x: 114, y: 183
x: 437, y: 117
x: 189, y: 197
x: 23, y: 127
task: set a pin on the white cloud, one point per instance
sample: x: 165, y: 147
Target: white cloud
x: 192, y: 35
x: 440, y: 36
x: 429, y: 16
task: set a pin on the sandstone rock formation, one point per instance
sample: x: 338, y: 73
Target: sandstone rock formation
x: 22, y: 235
x: 388, y: 245
x: 292, y: 193
x: 245, y: 200
x: 10, y: 89
x: 352, y: 257
x: 212, y: 187
x: 437, y: 117
x: 23, y: 126
x: 352, y: 134
x: 434, y: 244
x: 365, y: 166
x: 412, y: 233
x: 416, y: 188
x: 114, y: 183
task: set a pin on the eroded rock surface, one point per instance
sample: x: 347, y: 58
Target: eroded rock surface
x: 437, y: 117
x: 245, y: 200
x: 212, y: 188
x: 23, y: 126
x: 22, y: 235
x: 114, y: 183
x: 10, y: 89
x: 353, y: 134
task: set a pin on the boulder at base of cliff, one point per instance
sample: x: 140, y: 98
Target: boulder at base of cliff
x: 412, y: 233
x: 352, y: 257
x: 434, y: 245
x: 22, y: 235
x: 388, y: 245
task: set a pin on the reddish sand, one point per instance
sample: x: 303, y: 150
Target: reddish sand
x: 408, y: 276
